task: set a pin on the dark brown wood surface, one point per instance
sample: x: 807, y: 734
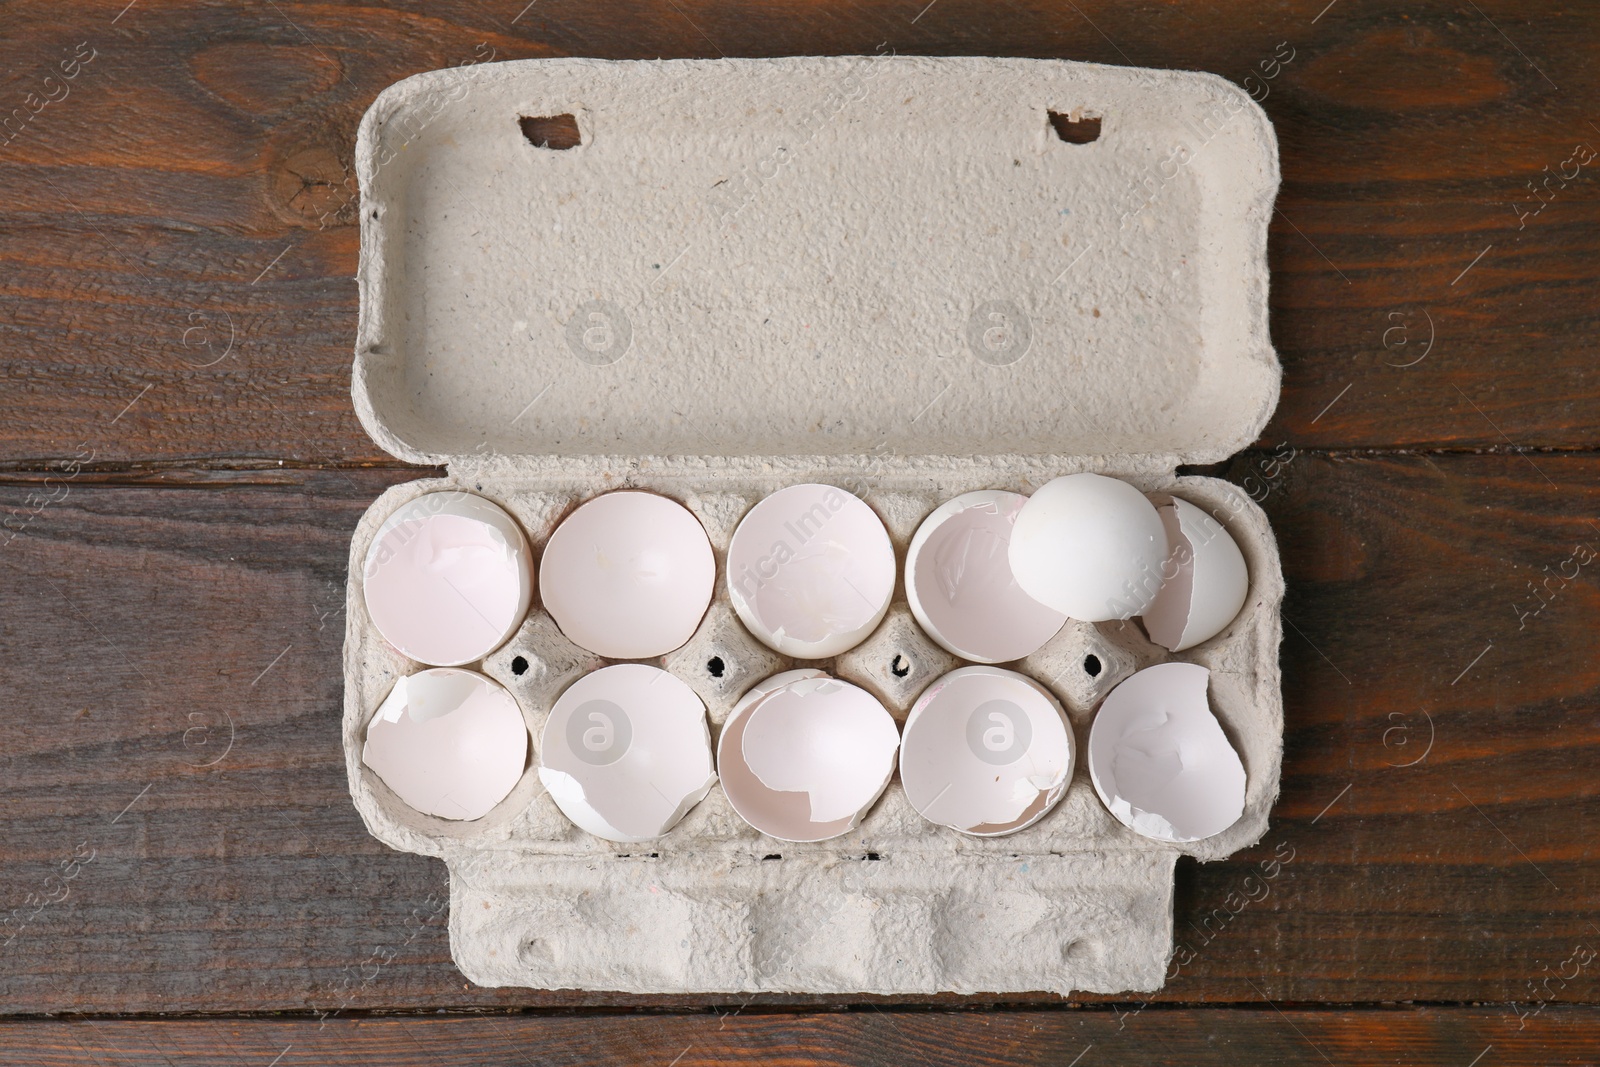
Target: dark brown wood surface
x: 176, y: 319
x: 1103, y: 1038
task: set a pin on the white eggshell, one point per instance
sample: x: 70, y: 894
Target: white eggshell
x: 783, y: 815
x: 448, y: 742
x: 1090, y: 547
x: 628, y: 575
x: 1159, y: 759
x: 804, y: 756
x: 960, y: 586
x: 811, y: 570
x: 767, y: 685
x: 1210, y: 584
x: 626, y: 752
x: 448, y: 578
x: 986, y: 752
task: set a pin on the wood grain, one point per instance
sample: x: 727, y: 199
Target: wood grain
x: 177, y: 244
x: 150, y: 617
x: 1447, y: 1037
x: 178, y: 239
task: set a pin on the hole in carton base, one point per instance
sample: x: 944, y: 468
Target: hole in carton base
x: 519, y: 665
x: 872, y: 856
x: 1091, y: 666
x: 715, y: 666
x: 555, y: 131
x: 900, y: 667
x: 772, y: 856
x: 1081, y: 130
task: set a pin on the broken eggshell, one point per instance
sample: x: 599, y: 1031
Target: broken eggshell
x: 811, y: 570
x: 1206, y: 579
x: 626, y: 752
x: 448, y: 742
x: 960, y: 586
x: 986, y: 751
x: 628, y: 575
x: 448, y: 578
x: 1090, y: 547
x: 1159, y: 759
x: 758, y: 805
x: 803, y: 756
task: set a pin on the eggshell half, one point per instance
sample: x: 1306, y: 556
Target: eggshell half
x: 810, y: 571
x: 1210, y: 585
x: 1159, y: 759
x: 448, y: 578
x: 628, y: 575
x: 986, y: 752
x: 783, y: 815
x: 803, y: 756
x: 448, y: 742
x: 960, y: 586
x: 1090, y: 547
x: 626, y: 752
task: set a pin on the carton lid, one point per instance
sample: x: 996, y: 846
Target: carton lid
x: 815, y: 257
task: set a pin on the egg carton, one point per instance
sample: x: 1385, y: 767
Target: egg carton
x: 924, y: 281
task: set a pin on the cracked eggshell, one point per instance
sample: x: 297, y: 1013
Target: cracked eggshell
x: 986, y: 751
x: 628, y: 575
x: 1159, y: 759
x: 789, y: 814
x: 448, y: 578
x: 1090, y: 547
x: 1208, y: 581
x: 804, y: 756
x: 960, y: 586
x: 626, y: 752
x: 448, y: 742
x: 811, y: 570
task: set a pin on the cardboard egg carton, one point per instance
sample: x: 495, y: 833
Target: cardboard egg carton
x: 889, y: 274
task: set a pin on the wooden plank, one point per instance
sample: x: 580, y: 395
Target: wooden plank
x: 146, y: 619
x: 1448, y: 1037
x: 178, y: 240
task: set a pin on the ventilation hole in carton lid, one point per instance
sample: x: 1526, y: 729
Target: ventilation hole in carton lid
x: 519, y: 665
x: 872, y: 856
x: 1091, y: 666
x: 772, y: 856
x: 900, y: 667
x: 1082, y: 130
x: 715, y: 666
x: 551, y: 131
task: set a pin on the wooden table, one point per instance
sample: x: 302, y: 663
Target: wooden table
x: 181, y: 470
